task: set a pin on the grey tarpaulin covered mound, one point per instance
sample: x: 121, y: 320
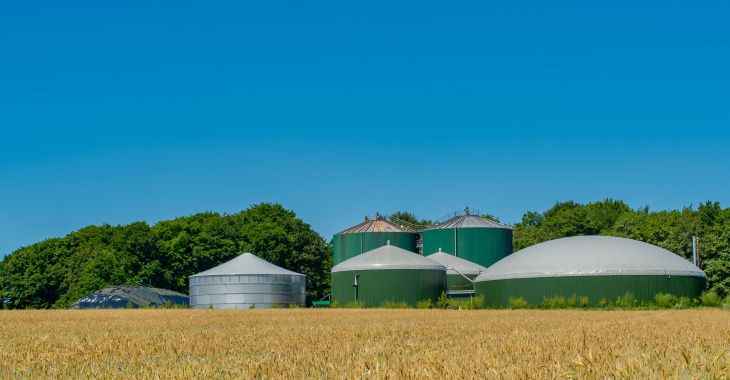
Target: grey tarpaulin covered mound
x: 136, y: 296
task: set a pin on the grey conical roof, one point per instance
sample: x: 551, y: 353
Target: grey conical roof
x: 247, y: 263
x: 379, y: 224
x: 468, y: 221
x: 590, y: 256
x: 456, y: 265
x: 387, y: 257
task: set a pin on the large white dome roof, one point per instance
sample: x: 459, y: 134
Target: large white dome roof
x: 387, y: 257
x: 590, y: 256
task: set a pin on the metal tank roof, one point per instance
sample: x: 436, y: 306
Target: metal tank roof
x: 590, y: 256
x: 387, y: 257
x: 467, y: 220
x: 379, y: 224
x: 456, y: 265
x: 247, y: 263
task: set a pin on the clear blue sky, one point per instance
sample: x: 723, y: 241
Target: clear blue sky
x: 113, y: 112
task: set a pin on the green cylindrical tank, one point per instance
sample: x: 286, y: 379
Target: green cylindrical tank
x: 388, y: 273
x: 460, y: 273
x: 371, y: 234
x: 596, y: 267
x: 470, y: 237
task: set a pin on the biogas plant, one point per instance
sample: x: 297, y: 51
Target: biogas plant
x: 384, y: 259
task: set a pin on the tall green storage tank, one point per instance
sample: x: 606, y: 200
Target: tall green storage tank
x: 460, y: 274
x: 388, y: 273
x: 371, y: 234
x: 589, y: 266
x: 470, y: 237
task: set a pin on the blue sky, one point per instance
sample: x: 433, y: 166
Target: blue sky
x: 113, y: 112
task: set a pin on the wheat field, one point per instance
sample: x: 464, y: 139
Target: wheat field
x: 364, y: 343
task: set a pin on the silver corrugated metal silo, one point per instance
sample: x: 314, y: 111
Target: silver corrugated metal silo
x: 244, y: 282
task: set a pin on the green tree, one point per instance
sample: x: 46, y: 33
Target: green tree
x: 411, y: 219
x: 56, y: 272
x: 668, y: 229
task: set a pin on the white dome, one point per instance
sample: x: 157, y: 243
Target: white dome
x: 590, y: 256
x: 456, y: 265
x: 387, y: 257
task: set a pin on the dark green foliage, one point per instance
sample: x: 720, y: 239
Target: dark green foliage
x: 671, y: 230
x: 710, y: 298
x: 665, y: 300
x: 57, y: 272
x: 410, y: 218
x: 442, y: 301
x: 391, y: 304
x: 518, y: 303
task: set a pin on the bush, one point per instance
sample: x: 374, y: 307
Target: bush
x: 518, y: 303
x: 463, y: 304
x: 627, y: 301
x: 710, y: 299
x: 424, y: 304
x: 275, y: 305
x: 442, y: 302
x: 477, y: 302
x: 684, y: 303
x: 572, y: 301
x: 390, y: 304
x: 584, y: 302
x: 557, y: 302
x: 602, y: 302
x: 335, y: 304
x: 726, y: 302
x: 294, y: 306
x: 355, y: 305
x: 665, y: 300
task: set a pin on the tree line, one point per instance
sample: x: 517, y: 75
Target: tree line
x: 56, y: 272
x: 671, y: 230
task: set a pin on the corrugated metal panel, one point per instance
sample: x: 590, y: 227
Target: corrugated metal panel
x: 483, y: 246
x: 498, y: 292
x: 456, y: 281
x: 378, y: 286
x: 243, y: 291
x: 590, y: 255
x: 387, y: 257
x: 347, y: 246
